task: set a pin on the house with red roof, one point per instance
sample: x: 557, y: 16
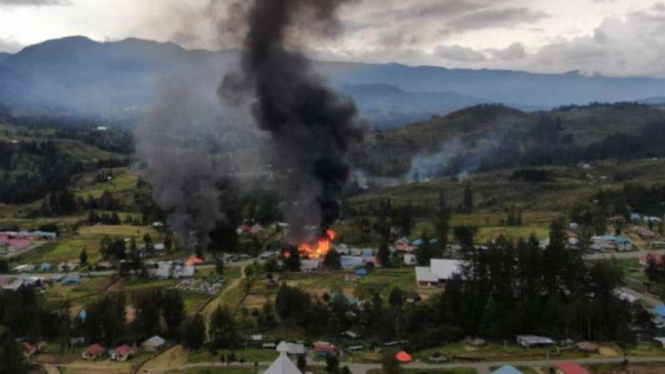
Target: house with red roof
x: 93, y: 352
x: 571, y: 368
x: 323, y: 349
x: 122, y: 353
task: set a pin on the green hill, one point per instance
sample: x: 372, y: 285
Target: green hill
x: 481, y: 129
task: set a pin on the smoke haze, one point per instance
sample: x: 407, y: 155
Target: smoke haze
x: 188, y: 143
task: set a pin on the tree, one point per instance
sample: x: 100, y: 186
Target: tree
x: 168, y: 241
x: 468, y: 198
x: 219, y: 266
x: 396, y: 298
x: 223, y: 334
x: 302, y: 363
x: 173, y: 310
x: 389, y: 362
x: 332, y: 363
x: 147, y: 241
x: 83, y: 257
x: 193, y: 333
x: 292, y: 259
x: 465, y: 236
x: 332, y: 260
x: 11, y: 357
x: 148, y: 306
x: 442, y: 224
x: 384, y: 255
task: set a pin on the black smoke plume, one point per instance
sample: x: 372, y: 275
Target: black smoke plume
x: 311, y: 126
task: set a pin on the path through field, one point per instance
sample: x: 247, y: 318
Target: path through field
x: 176, y: 356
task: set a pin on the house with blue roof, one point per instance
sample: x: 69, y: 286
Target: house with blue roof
x: 418, y: 242
x: 45, y: 267
x: 362, y: 272
x: 507, y: 369
x: 611, y: 242
x: 659, y: 311
x: 350, y: 262
x: 72, y: 280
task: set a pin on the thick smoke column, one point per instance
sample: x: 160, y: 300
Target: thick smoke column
x: 311, y: 126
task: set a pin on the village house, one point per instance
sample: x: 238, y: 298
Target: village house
x: 571, y: 368
x: 351, y: 262
x: 72, y: 280
x: 309, y: 266
x: 24, y: 269
x: 611, y: 243
x: 323, y: 349
x: 439, y: 271
x: 93, y: 352
x: 122, y: 353
x: 642, y: 232
x: 292, y: 349
x: 404, y: 245
x: 530, y: 341
x: 154, y: 344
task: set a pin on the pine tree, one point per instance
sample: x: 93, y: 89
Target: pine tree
x: 173, y: 310
x: 442, y: 225
x: 83, y: 257
x: 193, y: 333
x: 292, y: 260
x: 468, y: 198
x: 223, y: 332
x: 383, y: 255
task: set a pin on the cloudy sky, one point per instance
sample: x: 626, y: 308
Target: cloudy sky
x: 609, y: 37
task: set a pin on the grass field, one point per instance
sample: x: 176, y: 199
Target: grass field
x: 64, y: 250
x: 249, y: 355
x: 120, y: 230
x: 248, y: 369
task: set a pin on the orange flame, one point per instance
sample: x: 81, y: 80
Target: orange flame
x: 318, y: 250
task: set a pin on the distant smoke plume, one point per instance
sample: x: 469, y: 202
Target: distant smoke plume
x: 425, y: 167
x: 311, y: 126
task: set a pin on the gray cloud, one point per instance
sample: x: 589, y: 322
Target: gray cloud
x: 492, y: 18
x: 427, y: 10
x: 514, y: 51
x: 458, y: 53
x: 33, y: 2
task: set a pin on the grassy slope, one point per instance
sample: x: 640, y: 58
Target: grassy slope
x: 473, y: 126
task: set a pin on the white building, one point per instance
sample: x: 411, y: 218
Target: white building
x: 283, y: 365
x: 439, y: 271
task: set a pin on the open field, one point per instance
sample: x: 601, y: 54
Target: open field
x: 119, y: 230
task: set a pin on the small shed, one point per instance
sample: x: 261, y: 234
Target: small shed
x: 154, y: 344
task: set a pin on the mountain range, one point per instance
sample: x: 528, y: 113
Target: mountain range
x: 119, y: 80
